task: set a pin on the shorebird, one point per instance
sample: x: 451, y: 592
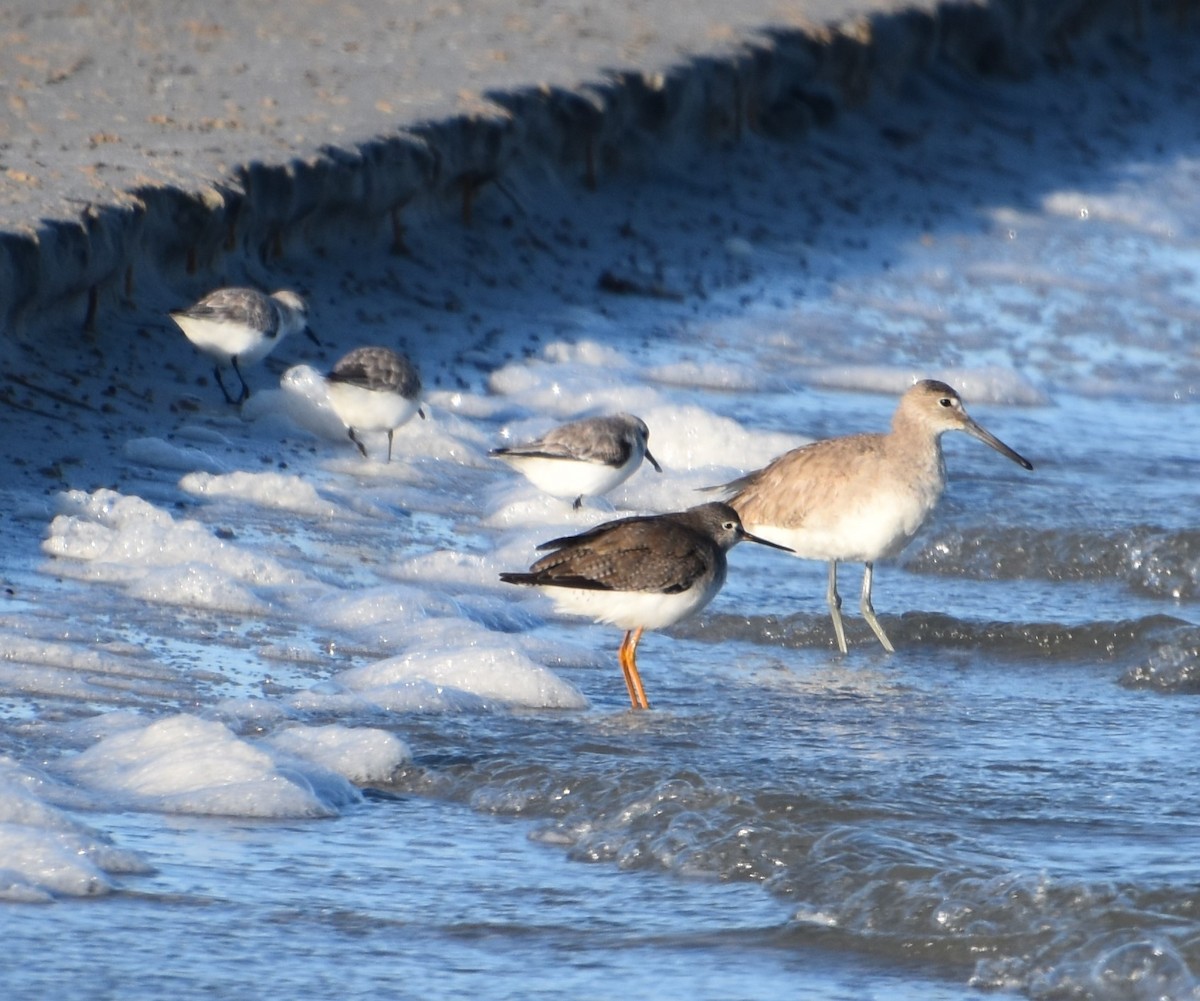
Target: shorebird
x: 235, y: 325
x: 640, y: 573
x: 374, y: 389
x: 861, y: 497
x: 585, y: 458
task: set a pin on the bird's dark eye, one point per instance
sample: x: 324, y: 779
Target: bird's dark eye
x: 945, y: 401
x: 729, y: 526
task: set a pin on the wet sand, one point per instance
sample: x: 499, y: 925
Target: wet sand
x: 168, y: 143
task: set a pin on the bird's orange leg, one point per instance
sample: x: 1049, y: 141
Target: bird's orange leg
x: 623, y: 660
x: 628, y: 658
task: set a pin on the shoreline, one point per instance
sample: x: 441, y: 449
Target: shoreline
x: 67, y: 272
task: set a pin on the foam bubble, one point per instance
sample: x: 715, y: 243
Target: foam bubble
x: 304, y: 398
x: 127, y: 540
x: 184, y: 764
x: 385, y: 612
x: 196, y: 586
x: 361, y: 754
x: 271, y: 490
x: 162, y: 454
x: 567, y: 385
x: 45, y: 853
x: 459, y: 655
x: 988, y: 384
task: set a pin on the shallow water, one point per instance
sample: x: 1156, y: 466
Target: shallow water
x: 202, y: 670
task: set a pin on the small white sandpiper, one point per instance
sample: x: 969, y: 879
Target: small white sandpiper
x: 585, y: 458
x: 863, y: 496
x: 374, y: 389
x: 640, y: 573
x: 242, y: 325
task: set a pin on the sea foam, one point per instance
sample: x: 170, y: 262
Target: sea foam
x: 185, y: 764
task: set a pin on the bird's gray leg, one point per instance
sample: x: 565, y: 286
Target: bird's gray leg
x: 354, y: 438
x: 869, y: 611
x: 578, y: 502
x: 390, y: 432
x: 835, y: 606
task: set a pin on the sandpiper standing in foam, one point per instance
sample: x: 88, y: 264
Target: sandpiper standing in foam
x: 236, y: 326
x: 586, y: 458
x: 374, y: 389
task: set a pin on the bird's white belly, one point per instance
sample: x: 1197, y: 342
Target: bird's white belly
x: 631, y: 609
x: 369, y: 410
x: 573, y: 477
x: 860, y: 533
x: 225, y: 340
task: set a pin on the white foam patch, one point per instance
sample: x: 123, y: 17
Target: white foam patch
x: 445, y: 437
x: 160, y: 454
x: 463, y: 657
x: 1133, y: 207
x: 185, y: 764
x: 707, y: 375
x: 384, y: 614
x: 196, y: 586
x: 993, y: 385
x: 453, y: 570
x: 687, y: 438
x: 585, y: 352
x: 361, y: 754
x: 203, y: 435
x: 273, y: 490
x: 332, y: 698
x: 522, y: 505
x: 567, y: 385
x: 246, y: 710
x: 468, y: 405
x: 126, y: 540
x: 44, y: 853
x: 304, y: 398
x: 39, y: 865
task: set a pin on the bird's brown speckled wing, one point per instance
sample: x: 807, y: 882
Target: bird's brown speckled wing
x: 635, y: 554
x: 378, y: 369
x: 237, y: 305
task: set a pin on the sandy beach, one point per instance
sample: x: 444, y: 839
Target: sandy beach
x: 142, y: 139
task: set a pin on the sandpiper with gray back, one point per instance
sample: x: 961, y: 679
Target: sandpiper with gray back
x: 236, y: 326
x: 585, y: 458
x: 862, y: 497
x: 640, y: 573
x: 374, y: 389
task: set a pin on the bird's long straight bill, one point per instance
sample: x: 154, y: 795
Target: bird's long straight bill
x: 975, y: 431
x: 747, y: 537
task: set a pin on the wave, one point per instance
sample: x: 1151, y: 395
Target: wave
x: 1153, y: 561
x: 888, y: 884
x: 1065, y: 643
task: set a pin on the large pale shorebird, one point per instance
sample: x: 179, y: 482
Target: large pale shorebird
x: 585, y: 458
x: 862, y: 497
x: 236, y: 326
x: 639, y: 573
x: 374, y: 389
